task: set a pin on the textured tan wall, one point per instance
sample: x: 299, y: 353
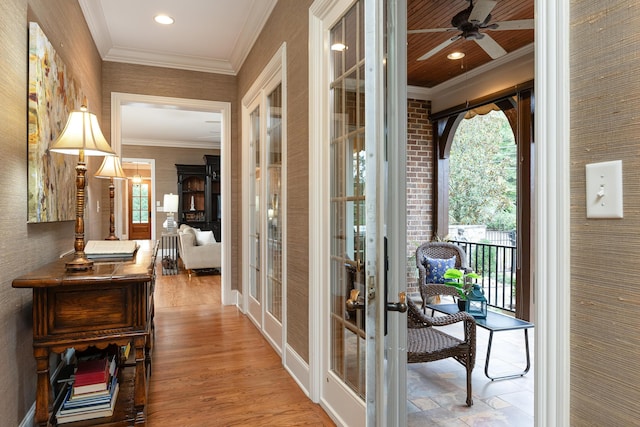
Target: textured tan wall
x: 27, y: 246
x: 605, y: 293
x: 289, y: 22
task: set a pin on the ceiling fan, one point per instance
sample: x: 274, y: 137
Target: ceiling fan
x: 469, y: 22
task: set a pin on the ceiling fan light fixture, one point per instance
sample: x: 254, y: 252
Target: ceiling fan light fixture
x: 164, y: 19
x: 455, y: 55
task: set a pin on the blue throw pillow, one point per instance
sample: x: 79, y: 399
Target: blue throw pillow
x: 437, y: 267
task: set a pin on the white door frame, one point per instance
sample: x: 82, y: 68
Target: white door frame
x: 119, y: 99
x: 552, y: 233
x: 552, y: 213
x: 322, y: 15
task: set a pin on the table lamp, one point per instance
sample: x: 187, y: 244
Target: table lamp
x: 170, y: 207
x: 111, y: 169
x: 81, y: 136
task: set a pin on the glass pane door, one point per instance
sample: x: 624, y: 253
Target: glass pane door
x: 139, y: 211
x: 360, y: 368
x: 274, y: 200
x: 347, y: 198
x: 266, y: 207
x: 255, y: 290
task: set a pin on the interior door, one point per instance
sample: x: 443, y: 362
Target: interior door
x: 140, y: 210
x: 364, y: 367
x: 255, y: 215
x: 266, y: 206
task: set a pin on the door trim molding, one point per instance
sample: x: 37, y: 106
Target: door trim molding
x: 552, y: 212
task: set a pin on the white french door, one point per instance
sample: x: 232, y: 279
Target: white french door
x: 266, y: 221
x: 362, y: 368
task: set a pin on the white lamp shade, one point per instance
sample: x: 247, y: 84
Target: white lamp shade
x: 110, y: 168
x: 82, y: 132
x: 171, y: 203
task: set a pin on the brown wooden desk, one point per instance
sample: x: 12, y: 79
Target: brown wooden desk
x: 112, y: 304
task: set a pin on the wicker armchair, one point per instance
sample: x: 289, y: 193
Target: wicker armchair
x: 441, y: 250
x: 427, y: 344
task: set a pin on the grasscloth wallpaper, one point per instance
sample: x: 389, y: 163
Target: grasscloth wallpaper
x: 26, y: 246
x: 605, y: 292
x: 288, y: 23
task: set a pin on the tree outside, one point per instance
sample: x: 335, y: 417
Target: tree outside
x: 482, y: 173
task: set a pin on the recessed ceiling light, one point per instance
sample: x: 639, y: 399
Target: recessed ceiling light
x: 338, y: 47
x: 455, y: 55
x: 163, y: 19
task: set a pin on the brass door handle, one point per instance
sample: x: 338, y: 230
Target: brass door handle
x: 400, y: 306
x: 352, y: 302
x: 357, y: 264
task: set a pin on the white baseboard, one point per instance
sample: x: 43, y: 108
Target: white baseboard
x: 231, y: 298
x: 30, y: 418
x: 297, y: 368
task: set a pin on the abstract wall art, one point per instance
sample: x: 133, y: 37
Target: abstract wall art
x: 52, y: 95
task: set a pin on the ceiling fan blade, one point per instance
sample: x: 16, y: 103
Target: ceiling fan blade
x: 438, y: 48
x: 431, y: 30
x: 521, y: 24
x: 493, y: 49
x: 481, y: 10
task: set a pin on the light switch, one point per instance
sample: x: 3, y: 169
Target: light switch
x: 604, y: 189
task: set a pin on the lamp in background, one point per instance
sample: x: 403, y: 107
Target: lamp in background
x: 170, y: 207
x: 111, y: 169
x: 81, y: 136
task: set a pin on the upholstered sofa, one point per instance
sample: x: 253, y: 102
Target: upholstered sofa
x: 198, y: 249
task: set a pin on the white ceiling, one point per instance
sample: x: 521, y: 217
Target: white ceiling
x: 208, y: 36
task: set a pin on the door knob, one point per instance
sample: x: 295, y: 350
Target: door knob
x: 400, y: 306
x: 352, y: 302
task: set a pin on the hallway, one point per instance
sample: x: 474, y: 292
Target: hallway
x: 211, y: 366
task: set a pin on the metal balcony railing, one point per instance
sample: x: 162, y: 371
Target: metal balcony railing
x: 497, y: 266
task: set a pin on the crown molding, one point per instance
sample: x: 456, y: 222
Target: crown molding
x: 205, y: 145
x: 249, y: 34
x: 94, y: 17
x: 182, y: 62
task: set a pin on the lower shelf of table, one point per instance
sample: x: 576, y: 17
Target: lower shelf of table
x: 124, y: 413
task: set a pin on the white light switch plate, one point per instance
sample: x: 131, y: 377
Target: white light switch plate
x: 604, y: 189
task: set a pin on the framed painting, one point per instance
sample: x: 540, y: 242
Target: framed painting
x: 52, y: 95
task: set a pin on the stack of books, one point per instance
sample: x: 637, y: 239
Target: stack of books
x: 93, y: 392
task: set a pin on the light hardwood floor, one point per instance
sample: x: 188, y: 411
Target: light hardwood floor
x: 211, y: 366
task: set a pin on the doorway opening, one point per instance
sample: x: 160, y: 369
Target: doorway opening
x: 219, y: 125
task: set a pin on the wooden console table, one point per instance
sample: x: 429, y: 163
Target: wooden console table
x: 112, y: 304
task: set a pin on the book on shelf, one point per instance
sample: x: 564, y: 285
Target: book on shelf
x: 95, y: 397
x: 88, y: 413
x: 125, y: 350
x: 91, y: 372
x: 87, y: 403
x: 93, y: 375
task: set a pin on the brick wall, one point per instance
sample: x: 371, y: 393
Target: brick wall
x: 419, y: 181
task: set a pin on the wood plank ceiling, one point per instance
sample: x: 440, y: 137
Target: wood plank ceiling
x: 437, y: 69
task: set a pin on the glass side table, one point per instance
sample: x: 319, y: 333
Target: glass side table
x: 170, y: 253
